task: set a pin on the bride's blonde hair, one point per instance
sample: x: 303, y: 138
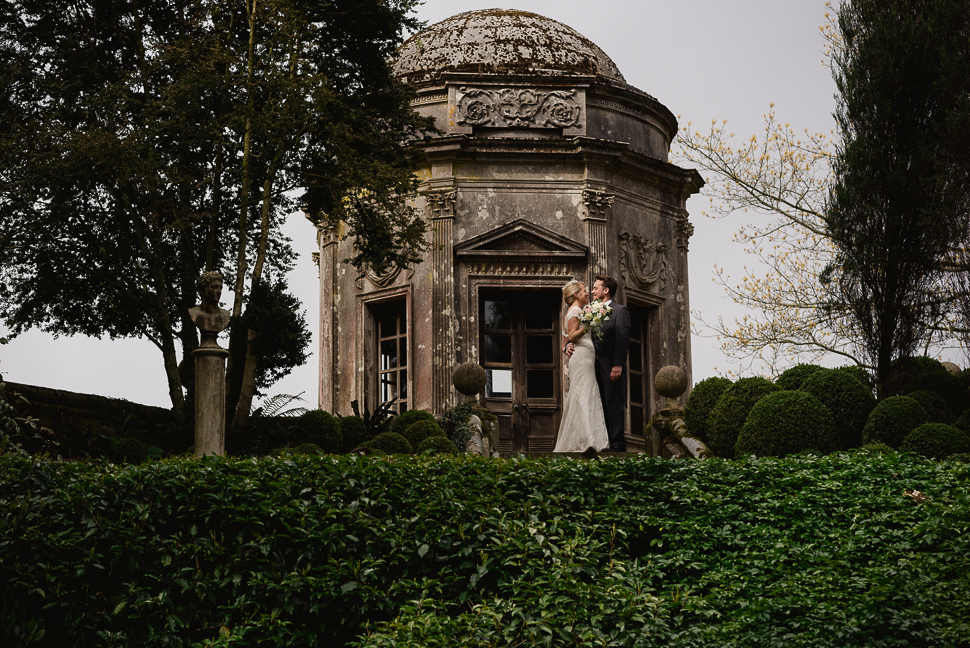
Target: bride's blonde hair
x: 570, y: 290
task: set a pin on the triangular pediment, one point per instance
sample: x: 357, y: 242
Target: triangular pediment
x: 521, y: 239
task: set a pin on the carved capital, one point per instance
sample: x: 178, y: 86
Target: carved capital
x: 596, y: 204
x: 518, y: 108
x: 643, y: 261
x: 441, y: 204
x: 684, y: 231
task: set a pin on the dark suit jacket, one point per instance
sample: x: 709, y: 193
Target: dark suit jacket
x: 612, y: 349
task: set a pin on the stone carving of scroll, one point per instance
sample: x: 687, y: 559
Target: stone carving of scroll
x: 518, y: 108
x: 642, y: 261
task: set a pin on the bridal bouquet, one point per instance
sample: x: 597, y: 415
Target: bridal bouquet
x: 592, y: 317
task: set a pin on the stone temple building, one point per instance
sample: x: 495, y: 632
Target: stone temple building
x: 550, y: 167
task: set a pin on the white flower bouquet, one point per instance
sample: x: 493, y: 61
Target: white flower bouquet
x: 592, y: 317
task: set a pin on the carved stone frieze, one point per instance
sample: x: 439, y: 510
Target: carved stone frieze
x: 519, y: 268
x: 518, y: 107
x: 441, y: 204
x: 643, y: 261
x: 596, y: 204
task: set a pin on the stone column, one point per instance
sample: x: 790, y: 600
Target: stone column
x: 210, y: 396
x: 327, y: 273
x: 596, y: 205
x: 441, y: 205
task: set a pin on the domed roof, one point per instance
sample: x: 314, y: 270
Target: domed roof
x: 502, y: 41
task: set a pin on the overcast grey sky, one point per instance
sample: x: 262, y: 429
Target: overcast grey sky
x: 703, y: 59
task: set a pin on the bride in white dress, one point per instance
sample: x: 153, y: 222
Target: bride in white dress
x: 583, y: 425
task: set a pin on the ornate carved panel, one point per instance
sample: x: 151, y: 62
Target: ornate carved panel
x: 643, y: 261
x: 519, y: 107
x: 597, y: 204
x: 441, y: 204
x: 684, y: 231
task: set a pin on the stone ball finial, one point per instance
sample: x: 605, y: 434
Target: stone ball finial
x: 469, y: 378
x: 671, y: 381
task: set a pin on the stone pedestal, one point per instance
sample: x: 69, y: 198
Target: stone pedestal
x: 210, y: 396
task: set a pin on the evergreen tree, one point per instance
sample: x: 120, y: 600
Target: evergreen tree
x: 899, y: 202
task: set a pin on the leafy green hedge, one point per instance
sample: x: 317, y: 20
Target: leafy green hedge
x: 845, y: 550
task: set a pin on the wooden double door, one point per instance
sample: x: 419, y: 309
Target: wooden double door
x: 521, y: 350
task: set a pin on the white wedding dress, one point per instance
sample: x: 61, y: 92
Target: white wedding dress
x: 583, y: 425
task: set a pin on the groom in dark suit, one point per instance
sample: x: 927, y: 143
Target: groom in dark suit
x: 611, y: 353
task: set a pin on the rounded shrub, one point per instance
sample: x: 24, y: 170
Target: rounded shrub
x: 390, y: 443
x: 319, y: 427
x: 877, y: 448
x: 421, y: 430
x: 892, y: 419
x: 960, y: 457
x: 908, y: 375
x: 703, y: 397
x: 860, y: 374
x: 936, y: 441
x: 731, y: 411
x: 402, y: 421
x: 793, y: 377
x: 934, y: 405
x: 963, y: 421
x: 130, y: 450
x: 784, y: 423
x: 307, y: 449
x: 437, y: 445
x: 354, y: 432
x: 848, y: 400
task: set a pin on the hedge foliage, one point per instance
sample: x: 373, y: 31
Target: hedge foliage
x: 421, y: 430
x: 402, y: 421
x: 793, y: 377
x: 390, y: 443
x: 848, y: 400
x: 844, y: 550
x: 438, y: 445
x: 784, y: 423
x: 703, y: 397
x: 319, y: 427
x: 732, y: 410
x: 892, y: 419
x: 936, y: 441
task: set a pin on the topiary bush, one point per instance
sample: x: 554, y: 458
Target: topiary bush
x: 421, y: 430
x: 860, y: 374
x: 437, y: 445
x: 129, y: 450
x: 934, y: 404
x: 732, y: 410
x: 963, y: 422
x: 307, y: 449
x: 390, y: 443
x: 784, y: 423
x: 848, y: 400
x: 908, y: 375
x: 402, y: 421
x: 877, y: 448
x: 793, y: 377
x: 354, y: 432
x: 319, y: 427
x: 703, y: 397
x: 892, y: 419
x: 936, y: 441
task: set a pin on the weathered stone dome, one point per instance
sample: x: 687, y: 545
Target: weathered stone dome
x: 502, y: 41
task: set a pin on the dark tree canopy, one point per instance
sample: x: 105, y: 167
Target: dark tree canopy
x: 899, y: 205
x: 144, y: 143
